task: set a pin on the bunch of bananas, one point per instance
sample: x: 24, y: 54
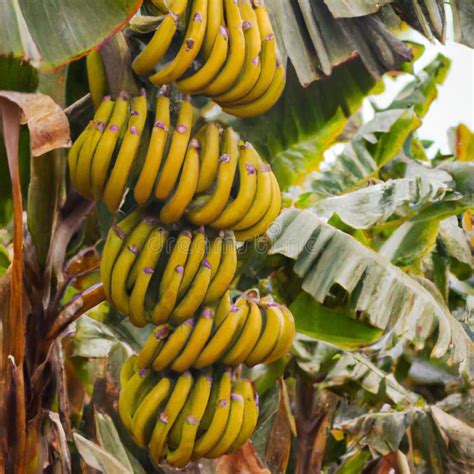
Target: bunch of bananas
x: 251, y: 331
x: 188, y: 416
x: 154, y: 275
x: 212, y: 179
x: 228, y: 53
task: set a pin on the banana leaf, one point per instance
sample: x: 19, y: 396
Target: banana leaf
x: 379, y: 293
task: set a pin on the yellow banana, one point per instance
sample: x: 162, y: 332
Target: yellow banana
x: 148, y: 411
x: 146, y: 264
x: 156, y: 148
x: 173, y: 346
x: 83, y: 166
x: 75, y: 150
x: 174, y: 208
x: 234, y: 423
x: 265, y: 102
x: 236, y: 57
x: 196, y: 342
x: 115, y: 239
x: 269, y: 336
x: 215, y: 18
x: 250, y: 415
x: 264, y: 223
x: 106, y: 146
x: 251, y: 68
x: 210, y: 142
x: 115, y: 188
x: 214, y: 253
x: 197, y: 252
x: 152, y: 346
x: 199, y: 398
x: 222, y: 338
x: 247, y: 339
x: 262, y: 201
x: 285, y: 338
x: 209, y: 70
x: 168, y: 416
x: 154, y: 51
x: 178, y: 257
x: 223, y: 308
x: 128, y: 370
x: 177, y: 151
x: 193, y: 298
x: 132, y: 394
x: 225, y: 273
x: 214, y: 204
x: 190, y: 47
x: 124, y: 263
x: 237, y: 209
x: 221, y: 409
x: 96, y: 77
x: 167, y: 302
x: 267, y: 71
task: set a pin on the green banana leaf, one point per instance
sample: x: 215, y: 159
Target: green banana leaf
x: 380, y: 293
x: 51, y: 34
x: 355, y: 7
x: 326, y: 324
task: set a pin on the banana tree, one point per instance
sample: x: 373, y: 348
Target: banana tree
x: 372, y: 254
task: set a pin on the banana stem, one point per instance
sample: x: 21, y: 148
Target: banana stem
x: 83, y: 302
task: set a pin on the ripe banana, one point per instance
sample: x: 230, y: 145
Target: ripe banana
x: 234, y: 423
x: 175, y: 206
x: 128, y: 256
x: 146, y: 413
x: 215, y: 18
x: 219, y: 414
x: 209, y: 137
x: 197, y: 253
x: 157, y: 47
x: 169, y: 415
x: 106, y: 146
x: 209, y: 70
x: 264, y: 223
x: 193, y: 298
x: 195, y: 343
x: 96, y: 77
x: 82, y: 178
x: 177, y: 151
x: 113, y: 244
x: 236, y: 210
x: 190, y: 47
x: 265, y: 102
x: 225, y: 272
x: 147, y: 262
x: 207, y: 211
x: 236, y: 57
x: 251, y: 68
x: 156, y: 148
x: 193, y: 414
x: 114, y: 190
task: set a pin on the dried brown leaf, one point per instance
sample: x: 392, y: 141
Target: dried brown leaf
x: 244, y: 461
x: 48, y: 124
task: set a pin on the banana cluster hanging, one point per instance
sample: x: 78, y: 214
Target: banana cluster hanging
x: 251, y: 331
x: 228, y: 52
x: 155, y: 275
x: 187, y: 416
x: 212, y: 179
